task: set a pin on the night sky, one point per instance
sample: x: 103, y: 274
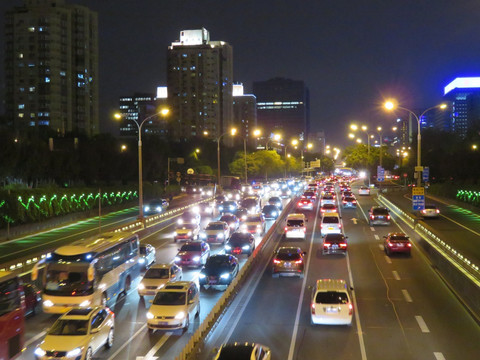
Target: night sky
x: 351, y: 54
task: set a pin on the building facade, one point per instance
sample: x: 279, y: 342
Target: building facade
x: 283, y: 106
x: 199, y: 81
x: 51, y: 61
x: 134, y: 109
x: 463, y: 95
x: 244, y: 113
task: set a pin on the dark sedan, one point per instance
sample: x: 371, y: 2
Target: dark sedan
x: 335, y: 244
x: 231, y: 220
x: 219, y: 270
x: 275, y: 200
x: 270, y: 212
x: 240, y: 243
x: 155, y: 207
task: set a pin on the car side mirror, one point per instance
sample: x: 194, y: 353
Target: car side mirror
x: 94, y: 331
x: 304, y: 253
x: 351, y: 288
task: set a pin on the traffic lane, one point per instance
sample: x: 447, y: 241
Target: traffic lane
x: 460, y: 229
x: 52, y: 239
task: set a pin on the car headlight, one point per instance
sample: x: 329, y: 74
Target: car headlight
x: 225, y: 276
x: 48, y: 303
x: 141, y: 260
x: 203, y: 235
x: 196, y: 258
x: 85, y: 303
x: 159, y: 209
x: 180, y: 315
x: 141, y: 286
x: 220, y: 236
x: 228, y: 247
x: 209, y: 193
x: 177, y: 258
x: 274, y: 213
x: 147, y: 208
x: 175, y: 233
x: 189, y: 233
x: 259, y: 226
x: 220, y: 208
x: 196, y: 209
x: 246, y: 247
x: 40, y: 352
x: 180, y: 221
x: 201, y: 276
x: 74, y: 353
x: 150, y: 315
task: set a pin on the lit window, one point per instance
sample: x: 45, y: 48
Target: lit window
x: 31, y: 89
x: 32, y: 115
x: 47, y: 79
x: 21, y: 89
x: 21, y: 106
x: 20, y: 56
x: 32, y: 123
x: 31, y: 28
x: 20, y: 115
x: 62, y: 73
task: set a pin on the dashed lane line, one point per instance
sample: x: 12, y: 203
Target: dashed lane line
x: 407, y: 296
x: 422, y: 324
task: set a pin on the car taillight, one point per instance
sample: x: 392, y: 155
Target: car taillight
x: 350, y: 309
x: 326, y: 245
x: 354, y: 202
x: 424, y: 211
x: 388, y: 217
x: 339, y: 226
x: 299, y: 261
x: 110, y: 311
x: 372, y: 217
x: 343, y: 245
x: 322, y: 210
x: 437, y: 211
x: 300, y: 203
x: 344, y: 201
x: 304, y: 229
x: 409, y: 245
x: 275, y: 261
x: 312, y: 308
x: 286, y: 228
x: 390, y: 244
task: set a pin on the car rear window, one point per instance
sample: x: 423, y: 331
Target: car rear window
x: 331, y: 297
x: 288, y: 256
x: 335, y: 238
x: 380, y: 211
x: 327, y: 197
x: 330, y: 220
x: 295, y: 223
x: 153, y: 273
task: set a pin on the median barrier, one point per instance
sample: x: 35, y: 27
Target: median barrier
x: 461, y: 273
x: 196, y: 342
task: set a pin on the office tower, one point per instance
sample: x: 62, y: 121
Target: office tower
x: 283, y: 105
x: 199, y: 80
x: 244, y: 113
x: 51, y: 62
x: 463, y: 94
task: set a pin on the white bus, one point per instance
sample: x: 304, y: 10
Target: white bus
x: 89, y: 271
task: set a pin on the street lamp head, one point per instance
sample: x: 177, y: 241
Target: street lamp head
x: 351, y: 136
x: 294, y: 142
x: 474, y: 147
x: 233, y: 131
x: 443, y: 106
x: 394, y: 128
x: 205, y: 132
x: 164, y: 111
x: 379, y: 128
x: 277, y: 137
x: 359, y: 140
x: 389, y: 105
x: 257, y: 132
x: 197, y: 150
x: 364, y: 127
x: 117, y: 116
x: 354, y: 127
x: 309, y: 145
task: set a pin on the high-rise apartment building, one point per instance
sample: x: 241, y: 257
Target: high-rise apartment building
x: 463, y: 94
x: 134, y: 109
x: 199, y: 80
x: 51, y: 61
x: 244, y: 113
x: 283, y: 105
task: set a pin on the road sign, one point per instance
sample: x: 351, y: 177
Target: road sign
x: 418, y: 198
x: 418, y: 168
x: 380, y: 173
x: 190, y: 171
x: 425, y: 174
x: 179, y: 179
x: 405, y: 175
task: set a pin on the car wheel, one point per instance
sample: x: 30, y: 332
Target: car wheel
x: 187, y: 324
x: 110, y: 339
x: 89, y: 354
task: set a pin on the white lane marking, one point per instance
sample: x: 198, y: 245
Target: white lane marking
x: 380, y: 246
x: 372, y: 228
x: 302, y: 292
x: 438, y: 356
x: 395, y: 275
x: 154, y: 349
x: 388, y: 260
x: 361, y: 342
x: 376, y: 237
x: 407, y: 296
x: 128, y: 342
x: 422, y: 324
x: 35, y: 338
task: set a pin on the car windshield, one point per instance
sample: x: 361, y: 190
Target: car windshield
x: 227, y: 218
x: 274, y: 200
x: 69, y: 327
x: 216, y: 261
x: 239, y: 238
x: 327, y: 197
x: 331, y: 297
x: 330, y: 220
x: 237, y: 352
x: 187, y: 226
x: 9, y: 296
x: 191, y: 247
x: 349, y: 199
x: 153, y: 273
x: 229, y: 203
x: 288, y: 255
x: 295, y: 223
x: 249, y: 202
x: 269, y: 208
x: 253, y: 219
x: 430, y: 207
x: 214, y: 227
x: 399, y: 237
x: 170, y: 298
x: 67, y: 280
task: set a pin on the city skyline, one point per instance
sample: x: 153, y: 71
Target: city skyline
x: 350, y: 56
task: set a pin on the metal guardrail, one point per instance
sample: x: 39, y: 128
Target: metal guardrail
x: 462, y: 263
x: 194, y: 345
x: 24, y: 265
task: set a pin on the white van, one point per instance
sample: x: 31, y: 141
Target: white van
x: 331, y: 303
x: 296, y: 226
x: 330, y: 224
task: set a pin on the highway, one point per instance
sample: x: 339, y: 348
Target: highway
x: 402, y: 308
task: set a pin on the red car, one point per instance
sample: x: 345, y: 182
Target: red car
x: 195, y: 253
x: 397, y: 243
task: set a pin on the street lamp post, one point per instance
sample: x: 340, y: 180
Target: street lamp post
x: 390, y: 105
x: 163, y: 112
x: 379, y: 131
x: 233, y: 131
